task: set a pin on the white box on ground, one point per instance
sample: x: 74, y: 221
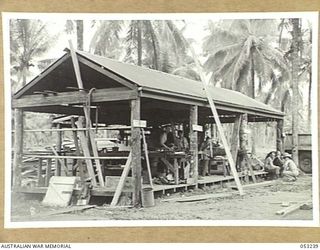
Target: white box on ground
x: 60, y: 191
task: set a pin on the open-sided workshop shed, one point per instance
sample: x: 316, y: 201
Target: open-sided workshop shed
x: 124, y: 93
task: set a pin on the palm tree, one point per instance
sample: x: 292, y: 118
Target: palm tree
x: 296, y: 45
x: 29, y: 39
x: 156, y: 44
x: 240, y: 51
x: 148, y: 43
x: 142, y: 39
x: 106, y: 39
x: 304, y: 70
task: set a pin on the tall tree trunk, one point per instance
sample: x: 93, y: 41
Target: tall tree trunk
x: 253, y: 94
x: 296, y: 35
x: 310, y: 83
x: 243, y: 141
x: 139, y: 40
x: 253, y: 127
x: 309, y: 96
x: 24, y: 75
x: 79, y: 24
x: 155, y: 53
x: 281, y: 30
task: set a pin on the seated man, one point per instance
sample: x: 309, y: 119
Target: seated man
x: 290, y: 169
x: 273, y: 170
x: 278, y: 161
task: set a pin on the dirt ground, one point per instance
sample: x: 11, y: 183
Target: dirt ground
x: 259, y: 203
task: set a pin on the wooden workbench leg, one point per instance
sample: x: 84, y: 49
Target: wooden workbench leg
x: 18, y: 147
x: 136, y: 153
x: 176, y: 171
x: 58, y: 149
x: 48, y: 172
x: 39, y: 177
x: 194, y: 142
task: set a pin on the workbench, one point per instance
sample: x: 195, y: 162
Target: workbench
x: 172, y: 160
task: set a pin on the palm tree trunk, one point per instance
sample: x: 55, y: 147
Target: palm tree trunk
x: 139, y: 40
x: 253, y: 128
x: 79, y: 34
x: 309, y: 96
x: 253, y: 94
x: 296, y: 31
x: 310, y: 83
x: 280, y: 34
x: 155, y: 53
x: 24, y: 75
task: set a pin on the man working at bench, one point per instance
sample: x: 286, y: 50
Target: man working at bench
x: 166, y: 139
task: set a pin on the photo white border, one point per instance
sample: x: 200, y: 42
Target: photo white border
x: 6, y: 16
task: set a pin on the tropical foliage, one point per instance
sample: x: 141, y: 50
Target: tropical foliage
x: 154, y: 44
x: 255, y: 57
x: 240, y: 52
x: 29, y: 39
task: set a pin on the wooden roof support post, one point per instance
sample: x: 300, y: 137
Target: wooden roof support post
x: 59, y: 148
x: 235, y: 138
x: 87, y: 114
x: 218, y: 123
x: 245, y: 161
x: 194, y: 142
x: 18, y: 147
x: 136, y: 152
x: 280, y: 135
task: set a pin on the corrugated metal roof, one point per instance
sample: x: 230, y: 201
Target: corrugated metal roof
x: 153, y: 79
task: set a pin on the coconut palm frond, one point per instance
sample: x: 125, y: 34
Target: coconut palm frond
x: 264, y: 27
x: 240, y: 27
x: 214, y: 61
x: 274, y: 86
x: 219, y: 38
x: 151, y: 34
x: 274, y: 55
x: 227, y: 65
x: 187, y: 72
x: 166, y: 62
x: 29, y: 39
x: 106, y: 38
x: 243, y: 61
x: 177, y: 35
